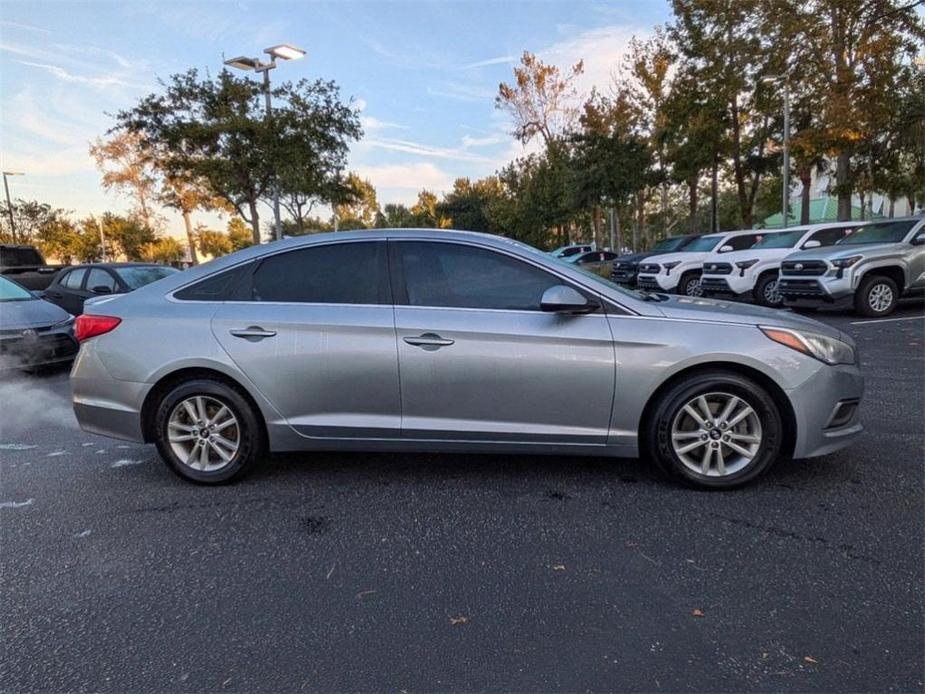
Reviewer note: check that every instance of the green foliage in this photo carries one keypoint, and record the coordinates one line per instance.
(165, 250)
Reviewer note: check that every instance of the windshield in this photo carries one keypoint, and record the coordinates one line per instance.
(704, 244)
(669, 244)
(10, 291)
(884, 232)
(786, 240)
(136, 277)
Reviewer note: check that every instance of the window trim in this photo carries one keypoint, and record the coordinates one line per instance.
(400, 289)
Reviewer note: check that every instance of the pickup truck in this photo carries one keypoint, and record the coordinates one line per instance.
(871, 269)
(26, 266)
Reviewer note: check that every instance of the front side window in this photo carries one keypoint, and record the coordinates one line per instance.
(883, 232)
(740, 243)
(73, 279)
(100, 278)
(459, 276)
(337, 273)
(830, 236)
(788, 239)
(704, 244)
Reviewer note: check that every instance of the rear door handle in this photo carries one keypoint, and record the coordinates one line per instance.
(253, 333)
(54, 295)
(428, 341)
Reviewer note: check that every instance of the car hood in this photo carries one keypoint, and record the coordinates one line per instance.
(835, 252)
(714, 310)
(639, 257)
(683, 256)
(30, 313)
(748, 254)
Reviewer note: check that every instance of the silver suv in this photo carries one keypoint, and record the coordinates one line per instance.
(871, 269)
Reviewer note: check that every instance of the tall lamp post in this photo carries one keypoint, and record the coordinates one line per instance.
(284, 51)
(785, 205)
(9, 204)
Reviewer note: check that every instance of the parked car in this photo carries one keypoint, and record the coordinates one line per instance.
(76, 284)
(680, 272)
(26, 266)
(594, 261)
(33, 332)
(626, 266)
(422, 340)
(870, 269)
(752, 274)
(570, 250)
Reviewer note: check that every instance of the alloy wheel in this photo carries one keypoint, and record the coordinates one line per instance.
(880, 297)
(771, 295)
(693, 288)
(716, 434)
(203, 433)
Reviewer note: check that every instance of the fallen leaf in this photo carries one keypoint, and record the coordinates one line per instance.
(810, 659)
(461, 619)
(364, 593)
(696, 612)
(558, 567)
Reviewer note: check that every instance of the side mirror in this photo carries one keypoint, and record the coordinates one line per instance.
(101, 289)
(726, 248)
(919, 239)
(812, 244)
(563, 299)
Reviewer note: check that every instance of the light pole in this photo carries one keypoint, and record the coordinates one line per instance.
(785, 205)
(284, 51)
(9, 204)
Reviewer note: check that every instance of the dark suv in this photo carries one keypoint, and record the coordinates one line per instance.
(626, 267)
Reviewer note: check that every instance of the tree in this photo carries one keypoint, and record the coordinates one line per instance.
(163, 250)
(212, 242)
(128, 167)
(542, 101)
(355, 205)
(238, 234)
(186, 195)
(30, 217)
(426, 213)
(214, 130)
(395, 216)
(470, 204)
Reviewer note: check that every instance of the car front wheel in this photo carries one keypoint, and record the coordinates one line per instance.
(876, 296)
(715, 430)
(766, 293)
(207, 432)
(690, 285)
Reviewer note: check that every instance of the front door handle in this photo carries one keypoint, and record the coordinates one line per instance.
(428, 341)
(253, 333)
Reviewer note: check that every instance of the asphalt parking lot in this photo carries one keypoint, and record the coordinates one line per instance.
(438, 572)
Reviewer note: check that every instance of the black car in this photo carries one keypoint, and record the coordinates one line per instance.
(33, 332)
(74, 285)
(626, 267)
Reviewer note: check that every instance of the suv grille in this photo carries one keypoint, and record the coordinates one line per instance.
(651, 268)
(812, 268)
(717, 268)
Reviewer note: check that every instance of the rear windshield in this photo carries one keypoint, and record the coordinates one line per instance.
(136, 277)
(704, 244)
(17, 257)
(10, 291)
(669, 244)
(786, 240)
(884, 232)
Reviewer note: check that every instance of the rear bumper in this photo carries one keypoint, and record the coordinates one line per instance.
(102, 404)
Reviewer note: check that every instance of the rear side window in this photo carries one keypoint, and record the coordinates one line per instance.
(828, 237)
(73, 279)
(100, 278)
(458, 276)
(740, 243)
(337, 273)
(216, 287)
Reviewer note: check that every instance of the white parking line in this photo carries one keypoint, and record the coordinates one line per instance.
(886, 320)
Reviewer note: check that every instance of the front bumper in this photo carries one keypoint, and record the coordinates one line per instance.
(827, 412)
(663, 282)
(822, 290)
(727, 285)
(624, 276)
(37, 347)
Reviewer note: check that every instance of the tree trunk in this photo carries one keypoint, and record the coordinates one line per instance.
(892, 212)
(190, 237)
(596, 222)
(714, 196)
(618, 236)
(692, 204)
(806, 179)
(842, 173)
(861, 195)
(254, 220)
(738, 169)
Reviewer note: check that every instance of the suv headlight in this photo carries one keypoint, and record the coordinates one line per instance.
(669, 266)
(842, 263)
(745, 264)
(825, 349)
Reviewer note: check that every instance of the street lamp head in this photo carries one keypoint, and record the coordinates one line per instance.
(285, 51)
(13, 173)
(243, 63)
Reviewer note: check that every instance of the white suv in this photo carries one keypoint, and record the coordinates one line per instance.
(680, 272)
(753, 273)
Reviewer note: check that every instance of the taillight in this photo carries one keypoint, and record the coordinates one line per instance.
(87, 326)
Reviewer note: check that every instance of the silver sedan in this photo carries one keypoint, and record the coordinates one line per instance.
(416, 340)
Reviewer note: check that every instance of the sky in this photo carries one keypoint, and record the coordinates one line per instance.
(423, 74)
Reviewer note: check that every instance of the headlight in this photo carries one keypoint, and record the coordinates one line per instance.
(670, 265)
(842, 263)
(825, 349)
(743, 264)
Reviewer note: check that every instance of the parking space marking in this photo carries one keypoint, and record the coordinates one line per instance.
(886, 320)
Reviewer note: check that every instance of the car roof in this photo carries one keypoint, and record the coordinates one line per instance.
(114, 266)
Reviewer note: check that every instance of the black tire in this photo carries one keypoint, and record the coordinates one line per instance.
(878, 286)
(250, 435)
(763, 288)
(658, 437)
(689, 285)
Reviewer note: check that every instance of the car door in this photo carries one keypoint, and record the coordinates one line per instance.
(916, 259)
(100, 282)
(480, 361)
(314, 332)
(67, 292)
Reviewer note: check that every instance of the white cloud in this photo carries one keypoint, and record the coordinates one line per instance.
(410, 147)
(401, 182)
(371, 125)
(462, 92)
(500, 60)
(100, 81)
(469, 141)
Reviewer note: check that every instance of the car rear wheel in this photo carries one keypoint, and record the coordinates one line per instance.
(207, 432)
(690, 285)
(715, 430)
(766, 293)
(876, 296)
